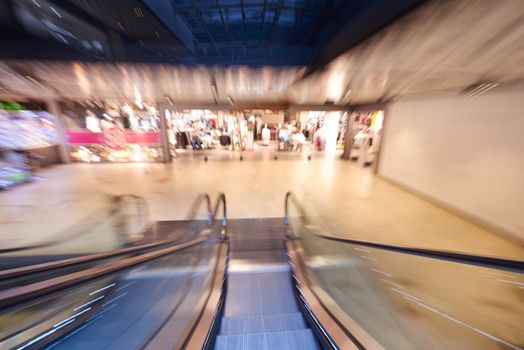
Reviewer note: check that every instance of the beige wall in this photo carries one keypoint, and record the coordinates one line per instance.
(467, 155)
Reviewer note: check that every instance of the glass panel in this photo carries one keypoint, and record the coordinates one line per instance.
(109, 222)
(125, 310)
(406, 301)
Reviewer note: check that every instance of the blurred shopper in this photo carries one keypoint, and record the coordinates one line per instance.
(298, 141)
(196, 143)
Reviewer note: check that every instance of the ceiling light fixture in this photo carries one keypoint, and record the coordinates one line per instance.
(55, 11)
(393, 99)
(346, 95)
(478, 89)
(214, 89)
(230, 100)
(169, 100)
(36, 82)
(138, 12)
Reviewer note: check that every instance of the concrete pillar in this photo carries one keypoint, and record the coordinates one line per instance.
(376, 163)
(53, 107)
(347, 138)
(162, 108)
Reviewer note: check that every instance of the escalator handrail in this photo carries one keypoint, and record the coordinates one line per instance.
(196, 205)
(48, 266)
(16, 295)
(460, 257)
(71, 234)
(13, 296)
(199, 332)
(221, 200)
(51, 265)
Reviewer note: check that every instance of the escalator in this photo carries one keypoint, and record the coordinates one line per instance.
(288, 284)
(128, 219)
(260, 310)
(127, 291)
(272, 283)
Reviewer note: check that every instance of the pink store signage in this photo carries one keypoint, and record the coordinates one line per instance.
(113, 138)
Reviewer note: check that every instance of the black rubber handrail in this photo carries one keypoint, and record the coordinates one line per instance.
(17, 272)
(461, 257)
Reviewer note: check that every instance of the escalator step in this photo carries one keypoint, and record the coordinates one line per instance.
(251, 294)
(262, 324)
(293, 340)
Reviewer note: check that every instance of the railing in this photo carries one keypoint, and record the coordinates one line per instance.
(199, 333)
(221, 200)
(86, 225)
(462, 257)
(12, 297)
(351, 287)
(12, 276)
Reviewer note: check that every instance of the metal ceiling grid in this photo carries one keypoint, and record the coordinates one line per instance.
(275, 32)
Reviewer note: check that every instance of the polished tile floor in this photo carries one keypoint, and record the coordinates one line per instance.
(355, 202)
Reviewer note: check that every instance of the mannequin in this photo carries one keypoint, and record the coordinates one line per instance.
(266, 135)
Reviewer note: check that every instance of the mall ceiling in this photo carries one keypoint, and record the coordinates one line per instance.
(439, 46)
(210, 32)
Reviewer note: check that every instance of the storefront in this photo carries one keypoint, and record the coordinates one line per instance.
(198, 129)
(324, 130)
(123, 131)
(365, 135)
(28, 139)
(113, 132)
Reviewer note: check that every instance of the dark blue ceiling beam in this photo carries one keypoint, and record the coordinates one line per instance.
(268, 6)
(207, 30)
(276, 19)
(254, 43)
(163, 10)
(263, 15)
(224, 23)
(243, 14)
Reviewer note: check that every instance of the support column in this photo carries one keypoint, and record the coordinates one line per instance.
(376, 163)
(162, 108)
(347, 138)
(53, 107)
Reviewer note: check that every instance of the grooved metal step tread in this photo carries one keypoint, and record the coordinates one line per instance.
(262, 324)
(293, 340)
(250, 294)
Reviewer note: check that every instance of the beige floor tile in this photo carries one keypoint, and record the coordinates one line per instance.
(351, 198)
